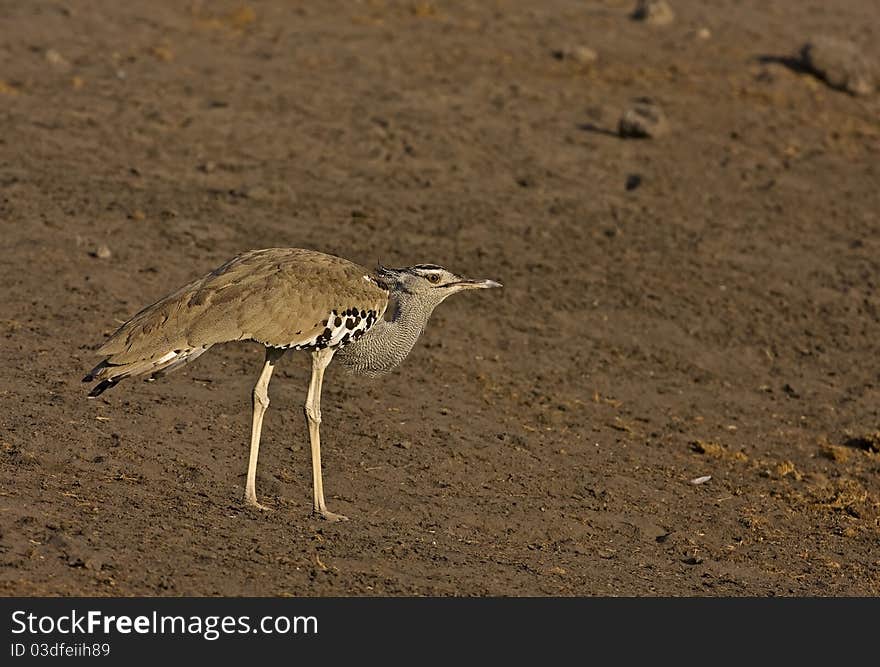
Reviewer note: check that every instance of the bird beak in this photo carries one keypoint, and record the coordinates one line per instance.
(468, 283)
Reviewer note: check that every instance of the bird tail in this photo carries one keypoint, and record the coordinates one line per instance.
(101, 387)
(110, 373)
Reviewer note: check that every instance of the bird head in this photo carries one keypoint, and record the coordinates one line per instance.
(429, 282)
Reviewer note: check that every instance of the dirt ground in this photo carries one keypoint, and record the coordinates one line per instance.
(720, 319)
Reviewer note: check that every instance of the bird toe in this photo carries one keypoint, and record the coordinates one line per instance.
(254, 505)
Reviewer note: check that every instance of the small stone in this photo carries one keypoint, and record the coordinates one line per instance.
(645, 120)
(581, 55)
(704, 33)
(101, 252)
(94, 563)
(835, 453)
(653, 12)
(163, 53)
(241, 17)
(56, 59)
(841, 64)
(8, 88)
(258, 193)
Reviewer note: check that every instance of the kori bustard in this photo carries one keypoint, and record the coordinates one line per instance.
(286, 299)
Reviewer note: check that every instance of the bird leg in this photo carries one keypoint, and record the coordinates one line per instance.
(261, 403)
(320, 359)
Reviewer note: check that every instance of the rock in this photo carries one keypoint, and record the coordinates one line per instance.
(102, 252)
(8, 89)
(645, 120)
(841, 64)
(582, 55)
(163, 53)
(56, 59)
(653, 12)
(257, 193)
(704, 33)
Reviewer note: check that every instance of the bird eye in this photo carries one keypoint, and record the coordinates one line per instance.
(434, 278)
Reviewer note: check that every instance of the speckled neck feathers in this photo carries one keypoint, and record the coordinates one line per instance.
(388, 342)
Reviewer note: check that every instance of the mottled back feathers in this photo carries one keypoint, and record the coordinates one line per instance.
(280, 297)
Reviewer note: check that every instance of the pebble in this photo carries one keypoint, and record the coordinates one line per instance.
(257, 193)
(654, 12)
(102, 252)
(582, 55)
(56, 59)
(841, 64)
(644, 120)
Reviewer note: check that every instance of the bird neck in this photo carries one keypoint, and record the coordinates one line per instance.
(389, 341)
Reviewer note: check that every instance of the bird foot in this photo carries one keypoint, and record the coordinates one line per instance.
(327, 515)
(253, 504)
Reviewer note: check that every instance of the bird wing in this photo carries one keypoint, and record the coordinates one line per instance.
(281, 297)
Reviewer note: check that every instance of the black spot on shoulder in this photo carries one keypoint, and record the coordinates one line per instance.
(337, 322)
(327, 333)
(349, 323)
(363, 313)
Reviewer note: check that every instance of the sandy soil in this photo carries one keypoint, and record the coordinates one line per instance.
(722, 318)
